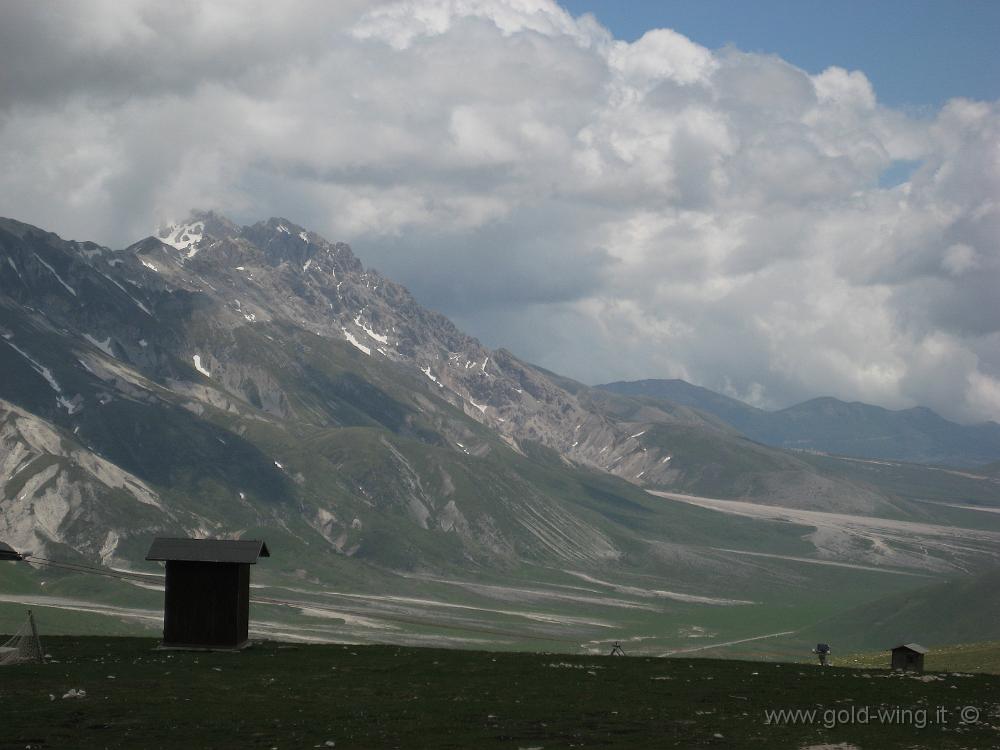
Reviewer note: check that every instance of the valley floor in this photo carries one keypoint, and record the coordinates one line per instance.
(743, 580)
(885, 544)
(298, 696)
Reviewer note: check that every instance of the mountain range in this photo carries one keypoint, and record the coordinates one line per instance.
(828, 425)
(412, 484)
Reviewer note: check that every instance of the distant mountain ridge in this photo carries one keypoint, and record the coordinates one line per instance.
(829, 425)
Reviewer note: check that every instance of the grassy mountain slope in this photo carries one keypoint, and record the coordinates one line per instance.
(962, 610)
(939, 484)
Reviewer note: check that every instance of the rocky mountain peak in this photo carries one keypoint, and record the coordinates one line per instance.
(282, 240)
(215, 224)
(190, 235)
(276, 270)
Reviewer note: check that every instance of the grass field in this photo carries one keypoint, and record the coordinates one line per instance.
(283, 696)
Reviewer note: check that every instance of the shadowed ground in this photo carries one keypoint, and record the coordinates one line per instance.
(281, 696)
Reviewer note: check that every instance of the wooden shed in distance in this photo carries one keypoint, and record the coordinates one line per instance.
(908, 657)
(207, 599)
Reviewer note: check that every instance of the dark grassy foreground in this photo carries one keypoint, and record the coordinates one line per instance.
(281, 696)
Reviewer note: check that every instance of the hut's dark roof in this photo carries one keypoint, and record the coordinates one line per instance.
(7, 552)
(208, 550)
(911, 647)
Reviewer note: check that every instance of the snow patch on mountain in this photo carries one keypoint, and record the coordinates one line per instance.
(89, 252)
(427, 371)
(183, 236)
(104, 346)
(73, 405)
(357, 344)
(201, 368)
(59, 278)
(14, 266)
(377, 336)
(45, 372)
(126, 293)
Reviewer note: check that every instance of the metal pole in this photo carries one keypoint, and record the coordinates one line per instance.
(34, 635)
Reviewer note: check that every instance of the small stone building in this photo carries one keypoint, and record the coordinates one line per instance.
(908, 657)
(207, 597)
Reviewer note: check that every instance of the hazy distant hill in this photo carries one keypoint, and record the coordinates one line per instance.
(833, 426)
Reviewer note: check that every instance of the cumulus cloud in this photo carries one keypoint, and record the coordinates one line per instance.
(607, 209)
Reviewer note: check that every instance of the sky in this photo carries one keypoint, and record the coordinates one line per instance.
(917, 54)
(775, 200)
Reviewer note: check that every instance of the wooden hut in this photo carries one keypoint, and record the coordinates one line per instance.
(207, 598)
(908, 657)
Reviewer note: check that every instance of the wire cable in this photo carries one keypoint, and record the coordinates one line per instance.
(90, 569)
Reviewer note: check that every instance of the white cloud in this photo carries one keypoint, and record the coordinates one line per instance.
(850, 90)
(660, 55)
(959, 259)
(609, 209)
(401, 23)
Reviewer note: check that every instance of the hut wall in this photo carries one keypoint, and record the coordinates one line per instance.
(203, 604)
(243, 604)
(907, 660)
